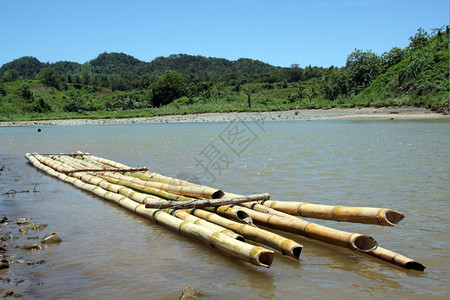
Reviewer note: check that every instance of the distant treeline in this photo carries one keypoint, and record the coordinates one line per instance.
(415, 75)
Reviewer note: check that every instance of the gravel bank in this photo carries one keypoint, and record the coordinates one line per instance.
(397, 113)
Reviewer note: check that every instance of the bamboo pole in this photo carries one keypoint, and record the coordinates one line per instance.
(378, 252)
(365, 215)
(145, 178)
(278, 242)
(229, 211)
(254, 254)
(166, 191)
(199, 203)
(108, 170)
(138, 197)
(284, 245)
(184, 215)
(396, 259)
(354, 241)
(148, 176)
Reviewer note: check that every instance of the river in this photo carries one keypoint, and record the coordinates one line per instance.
(108, 252)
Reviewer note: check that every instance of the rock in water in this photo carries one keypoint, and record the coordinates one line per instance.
(4, 264)
(51, 239)
(191, 293)
(31, 247)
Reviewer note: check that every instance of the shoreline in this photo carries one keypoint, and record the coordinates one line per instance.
(366, 113)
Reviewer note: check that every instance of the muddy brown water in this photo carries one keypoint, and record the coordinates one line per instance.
(107, 252)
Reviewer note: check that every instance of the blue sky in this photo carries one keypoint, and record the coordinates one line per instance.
(278, 32)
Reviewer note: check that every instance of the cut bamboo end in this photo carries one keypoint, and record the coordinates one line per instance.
(244, 217)
(262, 257)
(414, 265)
(390, 217)
(364, 243)
(294, 249)
(217, 194)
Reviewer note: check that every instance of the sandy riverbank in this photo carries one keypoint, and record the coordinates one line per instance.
(396, 113)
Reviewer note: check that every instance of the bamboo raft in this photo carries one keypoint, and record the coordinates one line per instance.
(225, 221)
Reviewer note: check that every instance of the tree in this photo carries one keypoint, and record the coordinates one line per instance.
(294, 73)
(50, 77)
(393, 57)
(419, 39)
(86, 78)
(167, 88)
(363, 67)
(10, 75)
(334, 83)
(26, 93)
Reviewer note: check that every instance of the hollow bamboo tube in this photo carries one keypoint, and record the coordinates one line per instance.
(396, 259)
(139, 197)
(286, 246)
(146, 175)
(379, 252)
(128, 181)
(365, 215)
(171, 185)
(354, 241)
(278, 242)
(184, 215)
(231, 212)
(253, 254)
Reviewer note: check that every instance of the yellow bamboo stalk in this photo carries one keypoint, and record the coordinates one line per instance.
(229, 211)
(354, 241)
(378, 252)
(136, 196)
(396, 259)
(254, 254)
(284, 245)
(196, 190)
(365, 215)
(278, 242)
(184, 215)
(189, 191)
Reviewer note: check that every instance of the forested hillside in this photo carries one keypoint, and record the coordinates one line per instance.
(119, 85)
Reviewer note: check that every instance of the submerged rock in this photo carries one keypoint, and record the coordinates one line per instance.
(4, 264)
(191, 293)
(36, 227)
(31, 247)
(3, 220)
(22, 221)
(51, 238)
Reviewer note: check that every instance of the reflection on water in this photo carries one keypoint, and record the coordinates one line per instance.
(110, 253)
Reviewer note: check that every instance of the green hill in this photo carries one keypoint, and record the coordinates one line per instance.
(420, 79)
(120, 85)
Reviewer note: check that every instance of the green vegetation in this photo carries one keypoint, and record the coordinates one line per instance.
(116, 85)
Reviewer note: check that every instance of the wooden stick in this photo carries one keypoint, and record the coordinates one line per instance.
(107, 170)
(199, 203)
